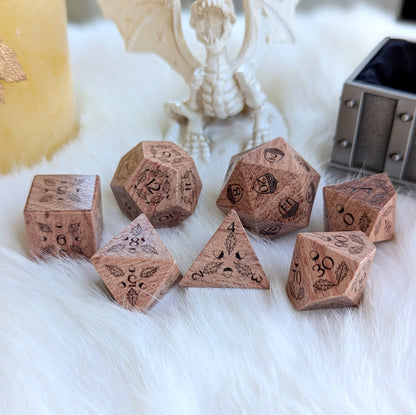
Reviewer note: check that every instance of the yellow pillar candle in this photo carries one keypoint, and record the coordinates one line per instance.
(39, 114)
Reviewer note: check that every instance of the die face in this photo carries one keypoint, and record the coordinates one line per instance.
(374, 191)
(354, 244)
(138, 239)
(340, 301)
(234, 194)
(317, 275)
(356, 288)
(227, 261)
(161, 180)
(152, 187)
(345, 214)
(383, 229)
(309, 190)
(127, 165)
(63, 215)
(272, 185)
(136, 266)
(360, 205)
(329, 269)
(138, 284)
(62, 193)
(187, 194)
(58, 233)
(165, 152)
(125, 202)
(189, 187)
(266, 229)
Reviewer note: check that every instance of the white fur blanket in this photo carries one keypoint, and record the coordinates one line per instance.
(66, 348)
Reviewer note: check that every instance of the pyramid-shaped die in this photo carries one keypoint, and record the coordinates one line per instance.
(329, 269)
(159, 179)
(367, 204)
(136, 266)
(271, 187)
(227, 261)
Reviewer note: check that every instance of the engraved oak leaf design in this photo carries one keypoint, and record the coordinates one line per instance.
(132, 296)
(49, 182)
(342, 271)
(323, 285)
(46, 198)
(212, 267)
(115, 270)
(136, 231)
(74, 228)
(299, 295)
(230, 242)
(388, 211)
(356, 249)
(149, 249)
(243, 269)
(148, 272)
(116, 248)
(292, 289)
(44, 227)
(74, 198)
(364, 222)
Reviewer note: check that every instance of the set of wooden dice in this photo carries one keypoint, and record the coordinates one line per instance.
(268, 190)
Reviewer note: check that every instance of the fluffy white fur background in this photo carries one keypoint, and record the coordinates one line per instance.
(66, 348)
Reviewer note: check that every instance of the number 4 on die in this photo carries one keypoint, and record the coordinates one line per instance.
(227, 261)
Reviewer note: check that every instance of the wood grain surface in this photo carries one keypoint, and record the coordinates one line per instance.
(271, 187)
(136, 266)
(63, 215)
(227, 261)
(367, 204)
(329, 269)
(159, 179)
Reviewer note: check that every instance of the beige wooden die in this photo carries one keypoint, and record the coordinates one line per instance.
(329, 269)
(63, 215)
(367, 204)
(271, 187)
(136, 266)
(227, 261)
(159, 179)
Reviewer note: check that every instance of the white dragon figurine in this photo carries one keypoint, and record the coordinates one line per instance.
(219, 89)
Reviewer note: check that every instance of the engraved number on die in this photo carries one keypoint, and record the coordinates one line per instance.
(326, 264)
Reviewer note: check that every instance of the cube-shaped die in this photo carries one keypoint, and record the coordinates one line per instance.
(136, 266)
(159, 179)
(271, 187)
(63, 215)
(367, 204)
(329, 269)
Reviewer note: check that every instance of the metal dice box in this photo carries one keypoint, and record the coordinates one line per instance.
(376, 120)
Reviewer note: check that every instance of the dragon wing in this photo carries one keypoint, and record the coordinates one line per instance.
(267, 22)
(153, 26)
